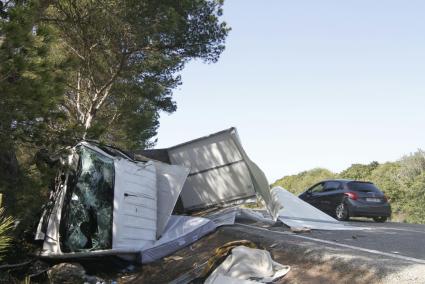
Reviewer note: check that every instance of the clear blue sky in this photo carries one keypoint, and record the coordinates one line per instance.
(311, 84)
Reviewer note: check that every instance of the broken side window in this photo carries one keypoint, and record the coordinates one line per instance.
(87, 213)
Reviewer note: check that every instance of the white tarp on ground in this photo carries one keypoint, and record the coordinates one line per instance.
(297, 213)
(248, 266)
(180, 232)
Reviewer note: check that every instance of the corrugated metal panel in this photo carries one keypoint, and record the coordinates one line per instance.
(217, 186)
(218, 172)
(135, 204)
(204, 154)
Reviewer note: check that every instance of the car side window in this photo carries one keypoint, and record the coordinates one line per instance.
(317, 188)
(332, 185)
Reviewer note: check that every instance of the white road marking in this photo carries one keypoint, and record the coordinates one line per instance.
(412, 259)
(360, 224)
(399, 229)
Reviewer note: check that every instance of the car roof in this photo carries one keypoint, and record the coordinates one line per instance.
(345, 180)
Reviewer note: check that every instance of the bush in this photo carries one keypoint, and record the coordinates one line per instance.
(6, 224)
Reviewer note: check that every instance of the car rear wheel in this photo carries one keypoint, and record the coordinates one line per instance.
(380, 219)
(341, 212)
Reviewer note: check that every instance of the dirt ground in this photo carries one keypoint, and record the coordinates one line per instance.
(305, 268)
(310, 262)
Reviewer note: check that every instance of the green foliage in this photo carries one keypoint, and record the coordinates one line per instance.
(126, 57)
(359, 171)
(102, 70)
(32, 83)
(31, 78)
(403, 182)
(300, 182)
(6, 224)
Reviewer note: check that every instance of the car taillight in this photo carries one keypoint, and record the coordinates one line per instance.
(352, 195)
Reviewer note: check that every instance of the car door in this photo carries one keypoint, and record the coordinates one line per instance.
(329, 198)
(313, 195)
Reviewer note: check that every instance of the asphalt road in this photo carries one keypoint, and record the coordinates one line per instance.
(394, 238)
(390, 237)
(390, 252)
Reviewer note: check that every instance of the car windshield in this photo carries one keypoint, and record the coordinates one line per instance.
(87, 214)
(362, 186)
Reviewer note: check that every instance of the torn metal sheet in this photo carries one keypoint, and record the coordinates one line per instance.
(259, 179)
(220, 172)
(224, 216)
(180, 232)
(299, 214)
(170, 181)
(253, 215)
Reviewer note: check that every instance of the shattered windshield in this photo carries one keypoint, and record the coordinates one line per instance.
(87, 214)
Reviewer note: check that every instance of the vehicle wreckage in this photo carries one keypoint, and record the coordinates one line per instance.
(108, 202)
(144, 206)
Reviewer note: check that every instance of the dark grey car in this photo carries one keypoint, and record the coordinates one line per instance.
(348, 198)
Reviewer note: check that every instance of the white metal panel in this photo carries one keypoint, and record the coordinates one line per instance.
(297, 213)
(135, 204)
(206, 153)
(220, 170)
(217, 186)
(181, 231)
(51, 240)
(170, 181)
(259, 179)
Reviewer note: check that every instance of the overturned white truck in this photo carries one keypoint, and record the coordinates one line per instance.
(108, 202)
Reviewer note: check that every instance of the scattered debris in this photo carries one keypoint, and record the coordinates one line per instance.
(253, 215)
(67, 273)
(173, 258)
(300, 230)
